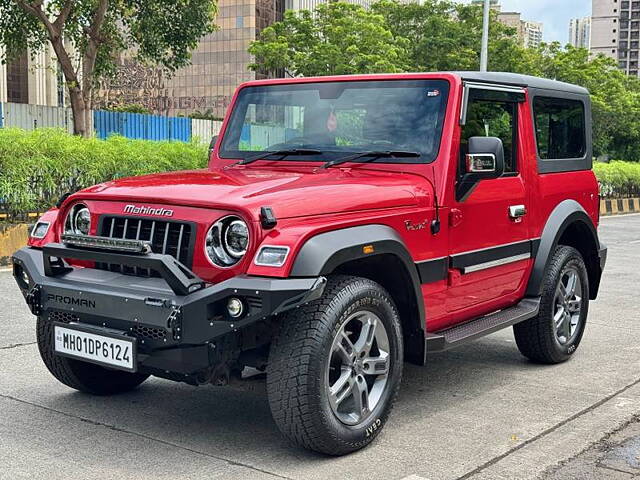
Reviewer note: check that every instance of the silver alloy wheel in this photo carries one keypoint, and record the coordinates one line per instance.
(567, 305)
(358, 368)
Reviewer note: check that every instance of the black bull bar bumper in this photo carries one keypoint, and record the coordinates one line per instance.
(173, 326)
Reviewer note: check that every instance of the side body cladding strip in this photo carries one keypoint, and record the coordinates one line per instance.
(566, 214)
(325, 252)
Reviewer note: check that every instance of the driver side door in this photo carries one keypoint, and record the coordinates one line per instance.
(489, 237)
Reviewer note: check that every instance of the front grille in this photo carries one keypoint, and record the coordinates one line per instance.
(62, 317)
(142, 331)
(166, 237)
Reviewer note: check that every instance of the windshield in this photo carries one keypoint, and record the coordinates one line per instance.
(339, 118)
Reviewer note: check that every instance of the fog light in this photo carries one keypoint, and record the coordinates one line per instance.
(235, 307)
(25, 278)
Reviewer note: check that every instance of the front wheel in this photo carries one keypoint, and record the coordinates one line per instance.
(554, 335)
(335, 367)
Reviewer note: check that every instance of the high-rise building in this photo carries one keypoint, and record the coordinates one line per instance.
(529, 33)
(580, 32)
(615, 32)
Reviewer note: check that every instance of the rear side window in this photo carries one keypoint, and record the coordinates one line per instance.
(560, 128)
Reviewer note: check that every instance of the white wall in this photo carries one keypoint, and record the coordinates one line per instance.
(203, 130)
(31, 117)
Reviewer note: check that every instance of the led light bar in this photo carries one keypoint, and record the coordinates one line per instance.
(106, 243)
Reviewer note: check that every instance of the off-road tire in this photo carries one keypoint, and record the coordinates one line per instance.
(536, 338)
(298, 362)
(82, 376)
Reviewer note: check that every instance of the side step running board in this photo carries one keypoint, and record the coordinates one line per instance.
(461, 334)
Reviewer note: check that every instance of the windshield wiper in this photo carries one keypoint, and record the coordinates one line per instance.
(281, 153)
(374, 154)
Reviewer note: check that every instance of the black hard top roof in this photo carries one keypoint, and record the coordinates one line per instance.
(521, 80)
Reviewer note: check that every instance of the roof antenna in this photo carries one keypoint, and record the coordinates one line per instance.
(435, 224)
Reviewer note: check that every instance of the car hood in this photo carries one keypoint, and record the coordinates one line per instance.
(291, 193)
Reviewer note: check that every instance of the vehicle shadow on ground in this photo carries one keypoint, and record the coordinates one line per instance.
(235, 423)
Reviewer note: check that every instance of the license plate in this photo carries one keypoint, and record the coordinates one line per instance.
(104, 348)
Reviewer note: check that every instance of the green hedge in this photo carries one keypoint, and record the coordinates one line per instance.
(618, 179)
(37, 167)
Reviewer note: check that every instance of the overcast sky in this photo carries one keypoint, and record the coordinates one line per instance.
(555, 14)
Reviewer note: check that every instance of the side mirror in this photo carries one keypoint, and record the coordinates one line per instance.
(212, 145)
(486, 157)
(485, 160)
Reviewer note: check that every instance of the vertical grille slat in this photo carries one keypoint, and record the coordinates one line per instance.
(138, 270)
(153, 229)
(166, 237)
(179, 241)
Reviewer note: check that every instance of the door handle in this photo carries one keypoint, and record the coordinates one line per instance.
(517, 211)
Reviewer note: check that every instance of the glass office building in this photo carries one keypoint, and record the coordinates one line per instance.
(218, 65)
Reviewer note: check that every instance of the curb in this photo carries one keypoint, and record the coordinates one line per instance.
(619, 206)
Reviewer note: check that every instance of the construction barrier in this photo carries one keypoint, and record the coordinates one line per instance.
(129, 125)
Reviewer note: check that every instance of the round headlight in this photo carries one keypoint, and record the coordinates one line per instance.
(78, 220)
(227, 241)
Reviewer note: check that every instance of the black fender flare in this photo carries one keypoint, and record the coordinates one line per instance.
(563, 215)
(323, 253)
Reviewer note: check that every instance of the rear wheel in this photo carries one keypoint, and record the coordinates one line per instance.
(554, 335)
(82, 376)
(335, 367)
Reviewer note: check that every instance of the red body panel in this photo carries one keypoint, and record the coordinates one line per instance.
(308, 201)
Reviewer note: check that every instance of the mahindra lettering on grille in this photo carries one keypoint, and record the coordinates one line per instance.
(142, 210)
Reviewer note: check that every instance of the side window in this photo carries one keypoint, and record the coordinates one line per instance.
(560, 128)
(493, 118)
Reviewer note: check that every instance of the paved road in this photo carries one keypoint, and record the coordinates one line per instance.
(482, 412)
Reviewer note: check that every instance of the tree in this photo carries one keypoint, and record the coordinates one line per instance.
(445, 35)
(87, 37)
(129, 108)
(339, 38)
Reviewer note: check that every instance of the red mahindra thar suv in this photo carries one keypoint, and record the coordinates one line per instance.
(345, 225)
